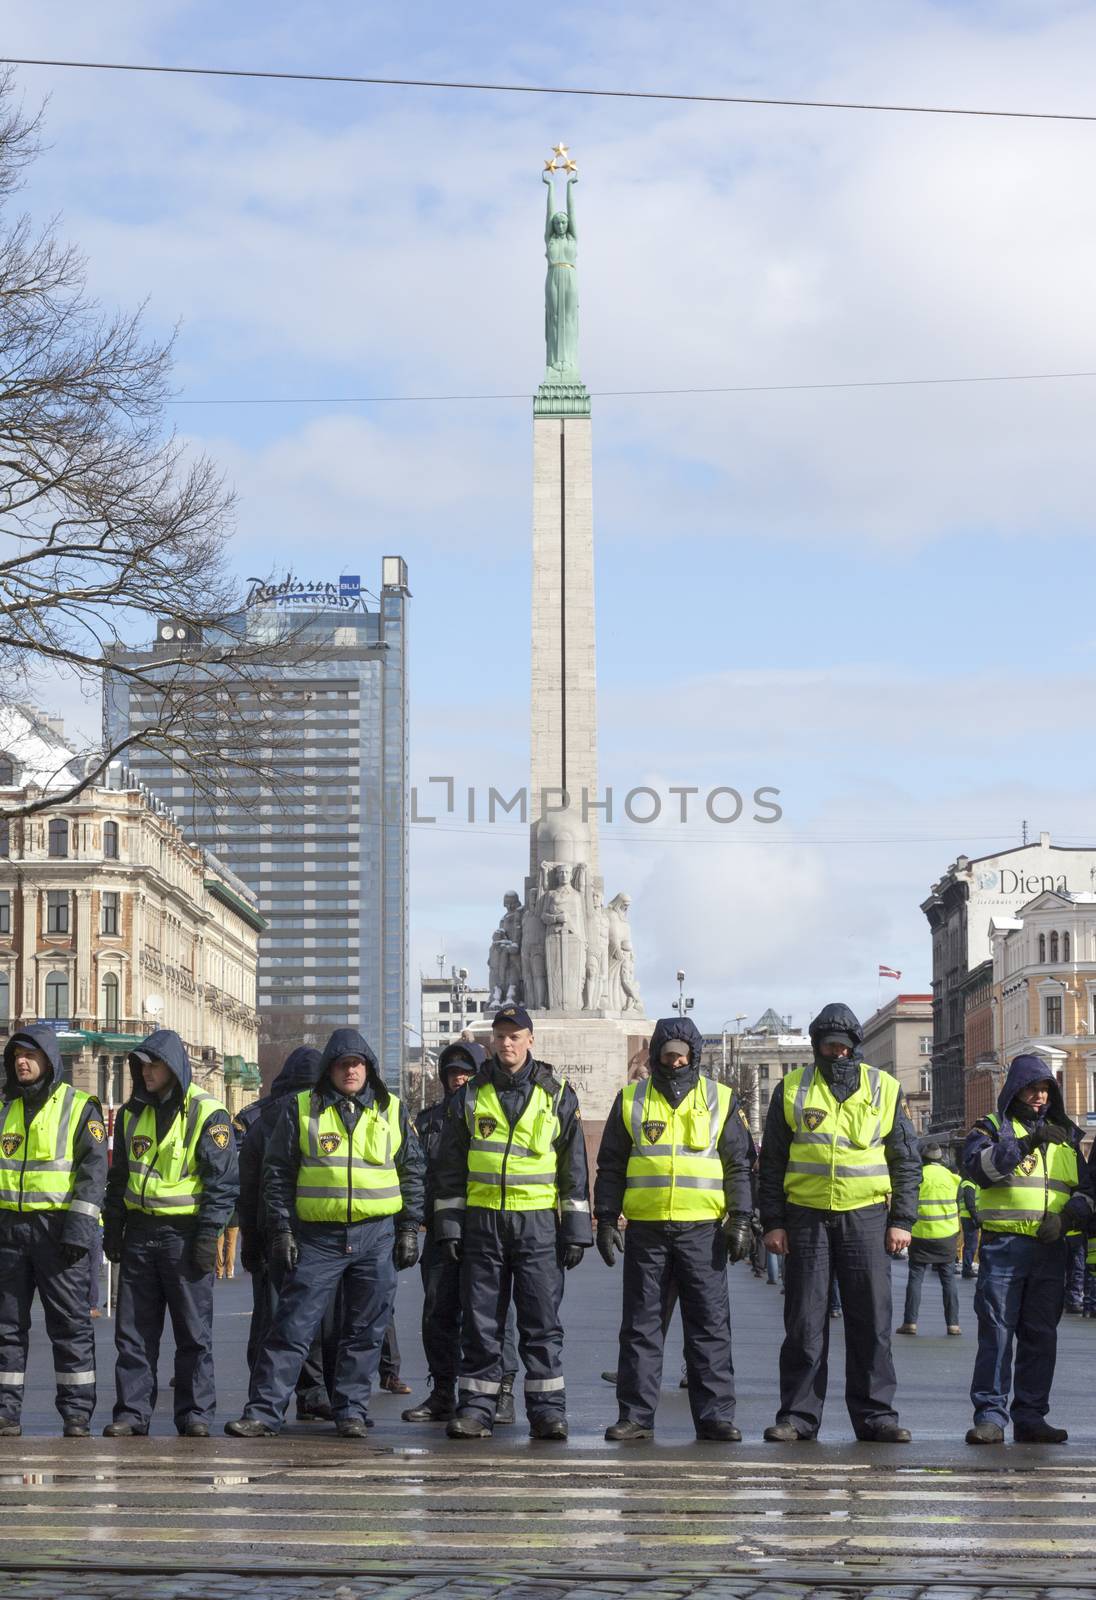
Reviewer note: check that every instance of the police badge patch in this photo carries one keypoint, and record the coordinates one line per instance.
(653, 1131)
(10, 1143)
(96, 1129)
(814, 1118)
(1028, 1165)
(486, 1126)
(220, 1135)
(330, 1142)
(141, 1146)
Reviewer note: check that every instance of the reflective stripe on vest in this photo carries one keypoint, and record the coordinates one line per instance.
(837, 1161)
(1042, 1183)
(37, 1166)
(163, 1174)
(674, 1172)
(512, 1169)
(347, 1177)
(937, 1203)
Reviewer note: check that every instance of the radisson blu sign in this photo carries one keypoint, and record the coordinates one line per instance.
(295, 594)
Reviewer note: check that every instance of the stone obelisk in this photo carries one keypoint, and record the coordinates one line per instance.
(564, 953)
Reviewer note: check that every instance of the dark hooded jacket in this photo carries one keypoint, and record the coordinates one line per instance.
(736, 1146)
(991, 1155)
(217, 1162)
(282, 1159)
(843, 1077)
(514, 1091)
(78, 1225)
(300, 1069)
(431, 1119)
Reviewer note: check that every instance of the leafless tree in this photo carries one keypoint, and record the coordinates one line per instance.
(105, 518)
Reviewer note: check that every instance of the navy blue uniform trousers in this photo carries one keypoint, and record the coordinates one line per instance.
(511, 1255)
(157, 1277)
(359, 1260)
(689, 1260)
(851, 1247)
(313, 1385)
(29, 1261)
(1019, 1299)
(441, 1320)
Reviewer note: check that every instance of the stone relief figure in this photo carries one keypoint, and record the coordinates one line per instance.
(561, 911)
(534, 971)
(494, 970)
(510, 928)
(596, 993)
(561, 285)
(623, 989)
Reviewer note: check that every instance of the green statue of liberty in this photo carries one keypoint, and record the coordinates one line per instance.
(561, 287)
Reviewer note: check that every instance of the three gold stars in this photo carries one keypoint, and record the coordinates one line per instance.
(560, 160)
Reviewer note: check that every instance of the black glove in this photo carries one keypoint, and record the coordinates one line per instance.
(251, 1255)
(1054, 1133)
(609, 1241)
(449, 1250)
(71, 1253)
(113, 1229)
(406, 1251)
(738, 1234)
(203, 1251)
(282, 1253)
(1049, 1230)
(570, 1255)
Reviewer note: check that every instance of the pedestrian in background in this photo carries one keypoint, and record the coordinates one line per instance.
(935, 1239)
(840, 1173)
(1024, 1159)
(971, 1223)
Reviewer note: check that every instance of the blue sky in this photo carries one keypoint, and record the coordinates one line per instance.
(873, 600)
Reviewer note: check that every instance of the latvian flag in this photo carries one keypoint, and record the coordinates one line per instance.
(889, 972)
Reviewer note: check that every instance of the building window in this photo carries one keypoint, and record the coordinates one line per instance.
(1054, 947)
(58, 837)
(1052, 1008)
(1091, 1092)
(762, 1074)
(5, 999)
(110, 840)
(57, 911)
(1065, 947)
(1042, 948)
(5, 911)
(443, 1005)
(5, 839)
(110, 1002)
(7, 772)
(924, 1044)
(109, 913)
(57, 995)
(924, 1080)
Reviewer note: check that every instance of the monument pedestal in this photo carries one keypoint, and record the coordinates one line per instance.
(593, 1053)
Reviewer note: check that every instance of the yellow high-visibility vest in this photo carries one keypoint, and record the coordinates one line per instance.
(937, 1203)
(163, 1174)
(346, 1177)
(837, 1161)
(1042, 1183)
(512, 1169)
(674, 1171)
(37, 1165)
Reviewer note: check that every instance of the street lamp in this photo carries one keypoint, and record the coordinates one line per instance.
(681, 1005)
(459, 990)
(741, 1017)
(425, 1055)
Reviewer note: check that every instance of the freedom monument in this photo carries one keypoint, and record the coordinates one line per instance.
(561, 950)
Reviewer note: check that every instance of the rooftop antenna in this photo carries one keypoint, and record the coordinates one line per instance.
(1023, 831)
(441, 964)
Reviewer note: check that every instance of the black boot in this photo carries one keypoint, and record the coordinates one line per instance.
(439, 1405)
(1039, 1432)
(504, 1410)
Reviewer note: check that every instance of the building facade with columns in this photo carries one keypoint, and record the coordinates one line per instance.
(113, 924)
(1044, 989)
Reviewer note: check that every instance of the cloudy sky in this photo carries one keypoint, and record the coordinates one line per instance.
(874, 600)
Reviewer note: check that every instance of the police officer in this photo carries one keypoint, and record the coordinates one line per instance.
(675, 1158)
(174, 1182)
(971, 1224)
(299, 1071)
(837, 1144)
(343, 1187)
(457, 1063)
(935, 1238)
(512, 1204)
(1032, 1190)
(53, 1170)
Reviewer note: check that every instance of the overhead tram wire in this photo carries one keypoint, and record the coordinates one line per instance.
(622, 394)
(544, 89)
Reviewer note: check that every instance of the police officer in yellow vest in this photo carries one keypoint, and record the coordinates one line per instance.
(675, 1159)
(839, 1178)
(53, 1170)
(1033, 1189)
(512, 1204)
(173, 1185)
(342, 1186)
(935, 1239)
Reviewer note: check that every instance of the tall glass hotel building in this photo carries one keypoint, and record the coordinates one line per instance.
(327, 855)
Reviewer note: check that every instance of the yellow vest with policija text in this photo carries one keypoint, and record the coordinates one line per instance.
(37, 1166)
(937, 1203)
(512, 1169)
(347, 1177)
(164, 1180)
(837, 1161)
(1042, 1183)
(674, 1172)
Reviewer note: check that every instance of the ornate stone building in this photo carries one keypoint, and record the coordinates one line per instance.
(113, 924)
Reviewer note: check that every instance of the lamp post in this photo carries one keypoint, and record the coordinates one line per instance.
(424, 1056)
(681, 1005)
(741, 1017)
(459, 990)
